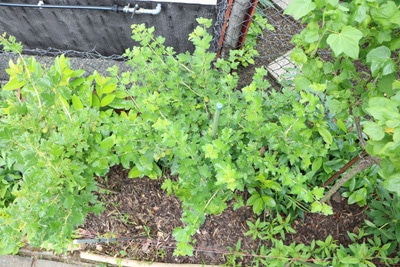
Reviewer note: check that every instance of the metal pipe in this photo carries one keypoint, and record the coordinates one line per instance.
(137, 10)
(114, 8)
(41, 5)
(154, 11)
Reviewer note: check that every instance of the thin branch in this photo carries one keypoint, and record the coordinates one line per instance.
(358, 167)
(359, 132)
(107, 189)
(343, 169)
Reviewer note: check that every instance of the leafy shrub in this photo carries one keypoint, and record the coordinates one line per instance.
(54, 139)
(61, 130)
(384, 214)
(268, 143)
(260, 145)
(347, 53)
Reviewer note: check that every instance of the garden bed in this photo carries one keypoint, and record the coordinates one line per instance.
(140, 208)
(269, 190)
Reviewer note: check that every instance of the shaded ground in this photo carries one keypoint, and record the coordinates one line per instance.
(272, 44)
(140, 208)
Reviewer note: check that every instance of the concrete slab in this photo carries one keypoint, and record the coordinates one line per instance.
(281, 3)
(14, 261)
(47, 263)
(282, 68)
(19, 261)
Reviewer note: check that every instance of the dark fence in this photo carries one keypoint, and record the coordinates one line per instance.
(106, 34)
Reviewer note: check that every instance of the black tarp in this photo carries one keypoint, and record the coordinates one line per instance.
(105, 31)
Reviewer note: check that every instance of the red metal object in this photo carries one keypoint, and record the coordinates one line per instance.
(223, 30)
(246, 23)
(342, 170)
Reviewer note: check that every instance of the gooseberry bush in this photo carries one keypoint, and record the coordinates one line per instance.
(59, 128)
(260, 146)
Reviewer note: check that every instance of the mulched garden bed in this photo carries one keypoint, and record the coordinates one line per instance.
(140, 208)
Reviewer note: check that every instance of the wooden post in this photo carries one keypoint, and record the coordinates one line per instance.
(234, 29)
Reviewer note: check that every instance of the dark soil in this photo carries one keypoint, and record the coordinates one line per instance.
(140, 208)
(271, 45)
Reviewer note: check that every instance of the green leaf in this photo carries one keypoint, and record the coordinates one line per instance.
(360, 14)
(392, 183)
(76, 82)
(94, 100)
(396, 84)
(76, 102)
(298, 56)
(346, 42)
(268, 201)
(183, 249)
(134, 173)
(336, 107)
(358, 196)
(350, 260)
(316, 206)
(108, 142)
(167, 185)
(374, 131)
(301, 82)
(226, 175)
(210, 152)
(341, 125)
(386, 14)
(382, 108)
(305, 263)
(105, 101)
(326, 135)
(326, 209)
(318, 87)
(109, 88)
(181, 234)
(380, 61)
(395, 44)
(370, 224)
(13, 84)
(258, 206)
(316, 165)
(318, 192)
(396, 135)
(257, 202)
(69, 202)
(299, 8)
(271, 184)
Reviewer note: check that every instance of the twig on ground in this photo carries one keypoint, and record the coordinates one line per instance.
(358, 167)
(345, 168)
(107, 189)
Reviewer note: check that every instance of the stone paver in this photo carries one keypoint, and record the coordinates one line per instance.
(18, 261)
(281, 3)
(281, 67)
(15, 261)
